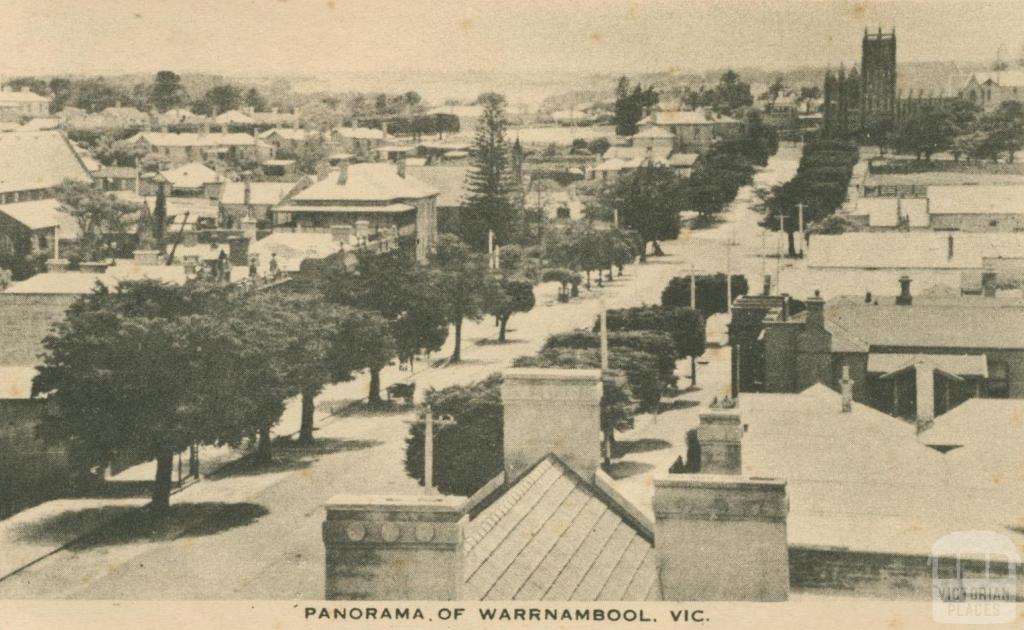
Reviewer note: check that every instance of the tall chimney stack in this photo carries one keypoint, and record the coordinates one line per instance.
(734, 525)
(551, 411)
(394, 548)
(846, 390)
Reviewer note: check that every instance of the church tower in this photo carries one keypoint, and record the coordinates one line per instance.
(878, 78)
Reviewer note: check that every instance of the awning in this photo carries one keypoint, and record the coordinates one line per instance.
(957, 364)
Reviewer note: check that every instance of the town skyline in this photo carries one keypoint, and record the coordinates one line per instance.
(239, 37)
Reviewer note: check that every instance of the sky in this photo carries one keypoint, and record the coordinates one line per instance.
(249, 37)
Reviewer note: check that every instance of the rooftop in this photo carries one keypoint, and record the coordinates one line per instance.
(163, 139)
(978, 421)
(1004, 78)
(911, 250)
(449, 180)
(38, 159)
(260, 193)
(552, 536)
(288, 133)
(367, 183)
(696, 117)
(191, 175)
(990, 199)
(42, 214)
(857, 326)
(292, 248)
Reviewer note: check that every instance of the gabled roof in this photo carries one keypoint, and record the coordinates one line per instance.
(979, 421)
(287, 133)
(1005, 78)
(697, 117)
(234, 116)
(42, 214)
(367, 182)
(191, 175)
(551, 536)
(22, 96)
(31, 160)
(162, 139)
(362, 133)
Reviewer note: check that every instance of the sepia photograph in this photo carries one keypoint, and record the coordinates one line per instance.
(480, 314)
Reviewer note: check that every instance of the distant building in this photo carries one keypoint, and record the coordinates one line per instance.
(24, 102)
(239, 200)
(181, 148)
(286, 137)
(34, 163)
(372, 200)
(903, 354)
(694, 131)
(193, 180)
(360, 141)
(989, 90)
(859, 103)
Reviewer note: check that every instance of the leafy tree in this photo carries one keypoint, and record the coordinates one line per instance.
(566, 278)
(514, 295)
(394, 286)
(1005, 128)
(711, 294)
(630, 105)
(167, 92)
(464, 285)
(141, 373)
(731, 94)
(255, 100)
(488, 205)
(468, 451)
(98, 215)
(658, 345)
(159, 217)
(648, 200)
(219, 99)
(925, 132)
(684, 325)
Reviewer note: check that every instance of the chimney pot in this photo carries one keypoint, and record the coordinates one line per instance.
(551, 411)
(816, 311)
(904, 298)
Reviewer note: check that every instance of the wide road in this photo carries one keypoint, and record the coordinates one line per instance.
(255, 533)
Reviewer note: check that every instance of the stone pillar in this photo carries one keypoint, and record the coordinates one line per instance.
(551, 411)
(719, 434)
(721, 538)
(394, 548)
(924, 380)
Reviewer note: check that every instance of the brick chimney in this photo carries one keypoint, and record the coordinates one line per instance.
(551, 411)
(815, 310)
(342, 173)
(394, 548)
(988, 283)
(401, 166)
(719, 434)
(846, 390)
(904, 298)
(721, 538)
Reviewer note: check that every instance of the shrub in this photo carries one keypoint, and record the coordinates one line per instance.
(685, 326)
(657, 344)
(711, 293)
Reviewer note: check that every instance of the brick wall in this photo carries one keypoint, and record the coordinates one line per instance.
(841, 571)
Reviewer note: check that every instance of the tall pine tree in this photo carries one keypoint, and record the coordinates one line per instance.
(489, 205)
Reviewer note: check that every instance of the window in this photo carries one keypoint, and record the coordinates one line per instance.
(998, 383)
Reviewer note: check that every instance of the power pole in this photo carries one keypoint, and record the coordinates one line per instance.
(800, 210)
(693, 286)
(778, 258)
(728, 278)
(604, 337)
(428, 453)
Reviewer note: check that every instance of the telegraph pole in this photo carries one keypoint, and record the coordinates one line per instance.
(428, 453)
(604, 337)
(693, 286)
(778, 258)
(800, 210)
(728, 278)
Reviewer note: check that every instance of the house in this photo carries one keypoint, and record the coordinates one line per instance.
(450, 182)
(31, 230)
(175, 116)
(286, 137)
(989, 90)
(924, 250)
(360, 141)
(193, 180)
(34, 163)
(552, 525)
(182, 148)
(114, 178)
(119, 116)
(376, 199)
(234, 117)
(694, 131)
(964, 207)
(239, 200)
(275, 118)
(906, 355)
(24, 102)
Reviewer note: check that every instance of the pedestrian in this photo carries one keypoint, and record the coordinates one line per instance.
(273, 266)
(252, 269)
